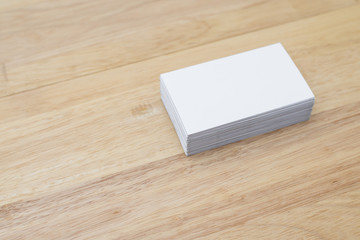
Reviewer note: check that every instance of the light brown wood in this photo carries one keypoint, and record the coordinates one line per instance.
(87, 150)
(43, 43)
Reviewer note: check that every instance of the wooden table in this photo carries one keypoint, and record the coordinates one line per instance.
(87, 150)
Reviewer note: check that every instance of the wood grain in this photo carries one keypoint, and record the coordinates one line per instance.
(44, 43)
(87, 150)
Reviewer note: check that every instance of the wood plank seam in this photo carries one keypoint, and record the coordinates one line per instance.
(9, 210)
(98, 158)
(137, 171)
(173, 52)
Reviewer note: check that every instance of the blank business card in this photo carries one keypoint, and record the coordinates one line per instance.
(216, 102)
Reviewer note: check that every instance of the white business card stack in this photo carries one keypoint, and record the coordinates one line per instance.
(236, 97)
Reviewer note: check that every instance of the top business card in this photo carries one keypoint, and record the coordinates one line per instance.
(237, 87)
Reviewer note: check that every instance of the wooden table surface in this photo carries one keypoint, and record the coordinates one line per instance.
(87, 150)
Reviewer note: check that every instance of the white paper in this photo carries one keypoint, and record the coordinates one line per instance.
(233, 98)
(225, 90)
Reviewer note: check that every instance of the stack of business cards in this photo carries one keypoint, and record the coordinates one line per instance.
(236, 97)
